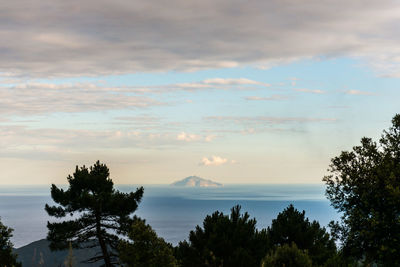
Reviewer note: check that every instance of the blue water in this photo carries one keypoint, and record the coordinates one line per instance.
(171, 211)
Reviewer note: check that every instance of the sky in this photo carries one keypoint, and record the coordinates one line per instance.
(234, 91)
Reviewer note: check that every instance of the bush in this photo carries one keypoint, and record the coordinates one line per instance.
(287, 256)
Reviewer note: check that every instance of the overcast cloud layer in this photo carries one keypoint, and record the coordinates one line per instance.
(62, 38)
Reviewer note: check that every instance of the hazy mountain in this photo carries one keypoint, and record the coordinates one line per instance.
(38, 253)
(194, 181)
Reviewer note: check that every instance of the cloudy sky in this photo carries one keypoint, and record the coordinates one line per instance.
(235, 91)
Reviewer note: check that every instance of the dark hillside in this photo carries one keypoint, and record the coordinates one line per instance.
(38, 253)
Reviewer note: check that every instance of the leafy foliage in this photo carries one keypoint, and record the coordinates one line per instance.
(7, 258)
(224, 241)
(287, 256)
(102, 214)
(146, 249)
(291, 226)
(364, 185)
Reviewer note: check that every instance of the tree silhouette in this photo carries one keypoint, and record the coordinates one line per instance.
(7, 258)
(291, 226)
(224, 241)
(145, 249)
(364, 185)
(100, 214)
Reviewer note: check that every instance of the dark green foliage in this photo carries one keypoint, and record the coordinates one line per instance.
(287, 256)
(145, 248)
(339, 260)
(291, 226)
(224, 241)
(102, 214)
(364, 185)
(7, 258)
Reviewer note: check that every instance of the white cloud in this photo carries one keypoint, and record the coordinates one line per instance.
(269, 98)
(357, 92)
(312, 91)
(210, 137)
(188, 137)
(218, 83)
(231, 81)
(213, 161)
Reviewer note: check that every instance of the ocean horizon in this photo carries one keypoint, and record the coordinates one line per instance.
(172, 211)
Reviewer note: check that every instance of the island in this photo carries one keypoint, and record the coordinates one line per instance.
(195, 181)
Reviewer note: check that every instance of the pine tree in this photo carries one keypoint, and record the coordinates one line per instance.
(224, 241)
(145, 249)
(292, 226)
(7, 258)
(100, 214)
(70, 260)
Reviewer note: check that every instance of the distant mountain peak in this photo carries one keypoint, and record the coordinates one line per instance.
(195, 181)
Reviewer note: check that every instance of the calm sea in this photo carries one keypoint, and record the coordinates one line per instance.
(171, 211)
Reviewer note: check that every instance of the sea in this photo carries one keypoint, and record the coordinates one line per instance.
(172, 211)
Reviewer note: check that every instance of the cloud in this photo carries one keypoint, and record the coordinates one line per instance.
(213, 161)
(188, 137)
(41, 98)
(269, 98)
(144, 123)
(231, 81)
(183, 136)
(312, 91)
(249, 125)
(28, 97)
(265, 119)
(98, 37)
(357, 92)
(218, 83)
(64, 143)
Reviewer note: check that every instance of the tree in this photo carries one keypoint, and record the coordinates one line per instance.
(101, 214)
(224, 241)
(145, 248)
(364, 186)
(291, 226)
(70, 260)
(7, 258)
(287, 256)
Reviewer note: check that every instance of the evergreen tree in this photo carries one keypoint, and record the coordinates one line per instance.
(364, 185)
(7, 258)
(145, 249)
(70, 260)
(100, 214)
(291, 226)
(224, 241)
